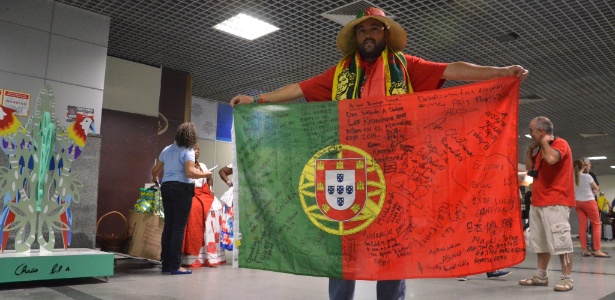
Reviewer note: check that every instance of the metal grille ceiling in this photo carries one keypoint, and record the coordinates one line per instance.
(568, 46)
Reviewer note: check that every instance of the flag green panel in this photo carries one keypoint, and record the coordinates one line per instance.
(275, 142)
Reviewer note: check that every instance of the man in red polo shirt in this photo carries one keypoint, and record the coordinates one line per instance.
(552, 199)
(373, 65)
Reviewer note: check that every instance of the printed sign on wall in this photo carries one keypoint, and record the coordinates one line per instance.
(18, 101)
(203, 115)
(72, 111)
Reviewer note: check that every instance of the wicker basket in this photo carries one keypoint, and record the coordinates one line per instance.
(112, 242)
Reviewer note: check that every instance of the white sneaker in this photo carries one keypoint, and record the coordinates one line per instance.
(564, 285)
(535, 281)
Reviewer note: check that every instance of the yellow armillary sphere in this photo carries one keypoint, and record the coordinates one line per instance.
(362, 184)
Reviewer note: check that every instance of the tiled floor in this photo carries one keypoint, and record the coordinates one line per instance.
(594, 278)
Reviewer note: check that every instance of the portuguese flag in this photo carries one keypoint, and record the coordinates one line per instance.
(411, 186)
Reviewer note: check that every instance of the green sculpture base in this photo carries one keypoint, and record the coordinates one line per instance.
(58, 264)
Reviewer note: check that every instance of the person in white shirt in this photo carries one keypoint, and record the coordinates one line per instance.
(587, 207)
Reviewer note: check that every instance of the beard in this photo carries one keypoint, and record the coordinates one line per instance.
(373, 52)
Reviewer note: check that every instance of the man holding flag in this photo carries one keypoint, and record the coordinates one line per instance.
(373, 65)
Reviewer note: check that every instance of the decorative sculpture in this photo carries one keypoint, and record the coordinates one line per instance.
(37, 188)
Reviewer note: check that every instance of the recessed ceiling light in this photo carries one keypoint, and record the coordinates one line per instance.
(530, 99)
(246, 27)
(348, 12)
(593, 134)
(596, 157)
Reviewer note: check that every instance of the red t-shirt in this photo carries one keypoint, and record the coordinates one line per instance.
(554, 184)
(424, 76)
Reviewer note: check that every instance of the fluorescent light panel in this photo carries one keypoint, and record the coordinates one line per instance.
(596, 157)
(528, 136)
(246, 27)
(612, 167)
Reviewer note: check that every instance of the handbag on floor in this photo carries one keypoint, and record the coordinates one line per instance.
(604, 217)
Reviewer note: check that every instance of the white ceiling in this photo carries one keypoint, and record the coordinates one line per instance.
(568, 46)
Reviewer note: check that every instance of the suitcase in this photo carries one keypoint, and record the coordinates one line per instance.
(608, 232)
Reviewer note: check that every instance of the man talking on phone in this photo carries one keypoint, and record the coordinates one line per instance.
(549, 161)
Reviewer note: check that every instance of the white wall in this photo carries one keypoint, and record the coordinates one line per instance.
(132, 87)
(45, 42)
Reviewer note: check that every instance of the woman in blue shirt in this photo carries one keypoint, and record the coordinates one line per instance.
(177, 160)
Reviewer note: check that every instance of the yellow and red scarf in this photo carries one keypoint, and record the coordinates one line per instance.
(390, 77)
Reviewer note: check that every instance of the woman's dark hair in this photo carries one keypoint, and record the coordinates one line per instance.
(186, 135)
(578, 169)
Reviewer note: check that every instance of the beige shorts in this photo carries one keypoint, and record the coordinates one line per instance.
(550, 229)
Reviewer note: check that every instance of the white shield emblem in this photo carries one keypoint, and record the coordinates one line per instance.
(341, 187)
(342, 183)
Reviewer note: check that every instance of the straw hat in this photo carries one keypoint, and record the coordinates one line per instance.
(346, 40)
